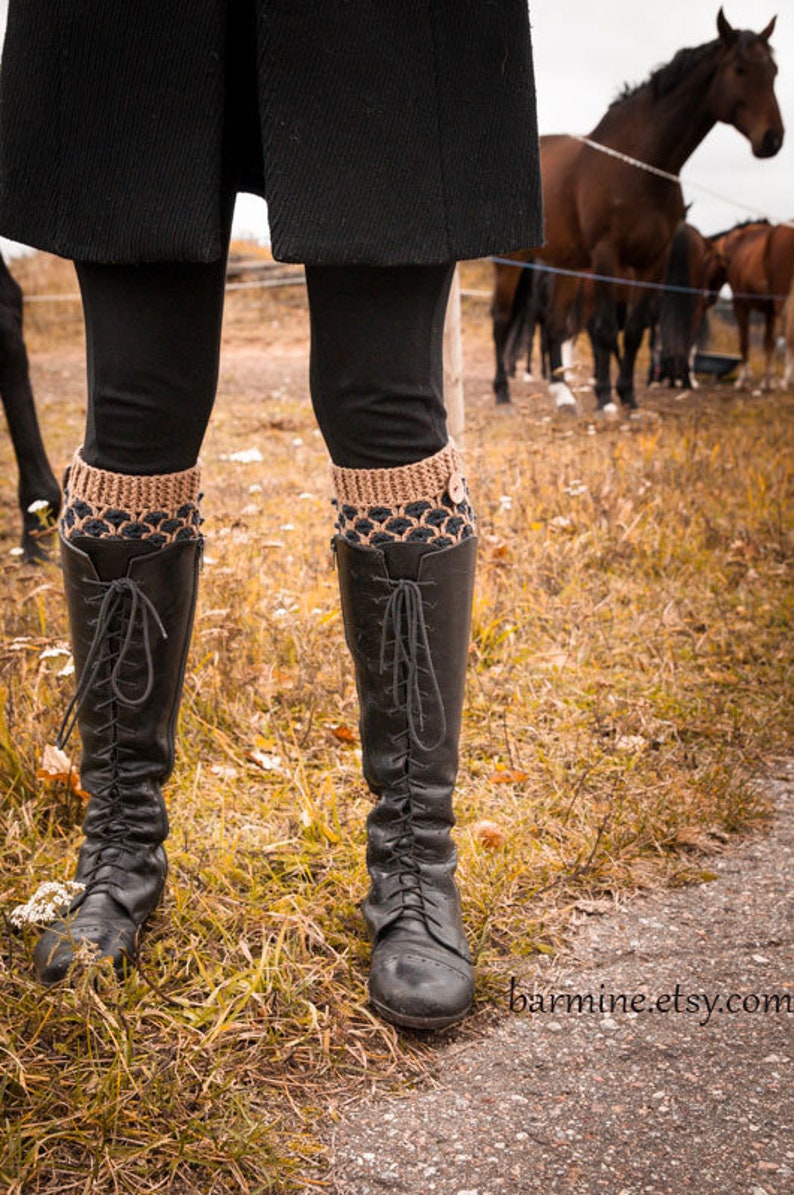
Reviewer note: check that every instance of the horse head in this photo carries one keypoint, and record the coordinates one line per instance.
(742, 93)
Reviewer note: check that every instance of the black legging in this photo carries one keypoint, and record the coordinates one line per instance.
(153, 342)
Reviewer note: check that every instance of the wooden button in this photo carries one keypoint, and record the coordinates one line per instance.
(456, 488)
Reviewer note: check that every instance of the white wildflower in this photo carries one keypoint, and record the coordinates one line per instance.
(39, 504)
(51, 653)
(17, 552)
(47, 902)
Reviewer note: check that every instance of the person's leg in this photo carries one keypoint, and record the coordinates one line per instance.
(130, 546)
(405, 549)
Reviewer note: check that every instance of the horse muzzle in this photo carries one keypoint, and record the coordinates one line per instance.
(769, 144)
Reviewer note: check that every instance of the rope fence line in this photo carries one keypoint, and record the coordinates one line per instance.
(672, 287)
(676, 178)
(539, 267)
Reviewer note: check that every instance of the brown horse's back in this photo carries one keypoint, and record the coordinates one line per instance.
(745, 252)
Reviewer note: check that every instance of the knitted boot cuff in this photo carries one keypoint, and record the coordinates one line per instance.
(159, 509)
(427, 502)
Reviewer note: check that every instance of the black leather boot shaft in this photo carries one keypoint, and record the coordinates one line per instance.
(130, 613)
(407, 613)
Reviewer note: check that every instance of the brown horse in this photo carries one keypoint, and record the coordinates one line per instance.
(759, 268)
(695, 272)
(618, 220)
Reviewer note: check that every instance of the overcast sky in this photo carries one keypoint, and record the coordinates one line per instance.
(585, 50)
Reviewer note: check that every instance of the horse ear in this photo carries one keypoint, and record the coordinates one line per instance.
(770, 29)
(725, 29)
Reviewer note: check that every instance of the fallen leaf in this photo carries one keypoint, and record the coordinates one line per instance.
(343, 733)
(489, 833)
(509, 777)
(56, 766)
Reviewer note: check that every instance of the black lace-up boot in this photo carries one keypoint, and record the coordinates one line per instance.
(407, 610)
(131, 604)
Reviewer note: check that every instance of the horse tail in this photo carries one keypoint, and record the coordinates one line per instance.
(678, 308)
(521, 326)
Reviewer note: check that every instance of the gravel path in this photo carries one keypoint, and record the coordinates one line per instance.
(676, 1099)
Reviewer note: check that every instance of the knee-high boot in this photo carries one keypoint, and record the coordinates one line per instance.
(407, 610)
(131, 604)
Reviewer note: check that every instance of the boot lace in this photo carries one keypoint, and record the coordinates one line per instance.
(118, 595)
(413, 900)
(405, 655)
(126, 618)
(405, 658)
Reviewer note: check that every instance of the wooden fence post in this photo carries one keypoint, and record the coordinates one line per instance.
(453, 363)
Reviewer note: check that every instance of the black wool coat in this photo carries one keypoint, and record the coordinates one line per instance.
(379, 131)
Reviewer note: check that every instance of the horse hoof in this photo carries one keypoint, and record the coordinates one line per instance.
(564, 401)
(608, 409)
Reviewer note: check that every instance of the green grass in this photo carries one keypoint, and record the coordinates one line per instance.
(630, 673)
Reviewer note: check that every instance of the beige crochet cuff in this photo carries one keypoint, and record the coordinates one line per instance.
(431, 478)
(131, 492)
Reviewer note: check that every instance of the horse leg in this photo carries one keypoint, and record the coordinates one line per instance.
(604, 327)
(506, 280)
(603, 351)
(559, 324)
(769, 346)
(36, 479)
(655, 354)
(636, 323)
(742, 314)
(532, 329)
(788, 336)
(559, 389)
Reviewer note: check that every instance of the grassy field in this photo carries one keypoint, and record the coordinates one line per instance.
(630, 677)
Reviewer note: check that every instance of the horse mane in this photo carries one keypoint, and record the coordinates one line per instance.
(666, 78)
(713, 236)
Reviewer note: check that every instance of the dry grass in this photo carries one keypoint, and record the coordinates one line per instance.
(630, 672)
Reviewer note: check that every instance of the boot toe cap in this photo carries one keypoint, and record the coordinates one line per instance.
(420, 989)
(89, 936)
